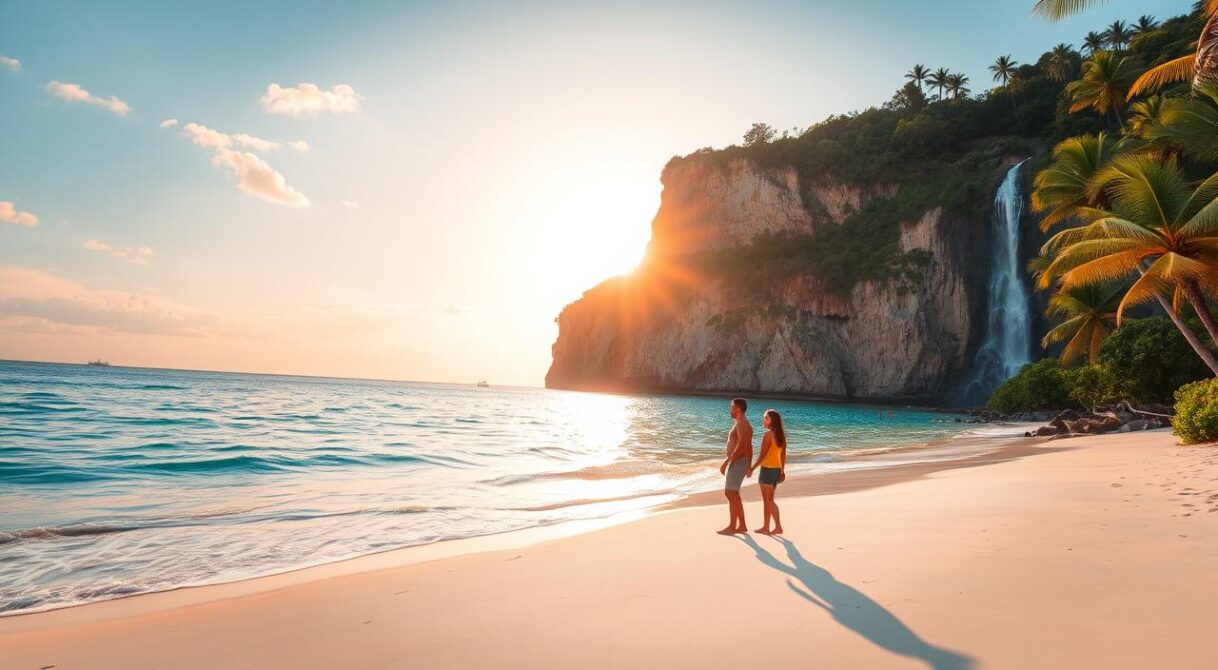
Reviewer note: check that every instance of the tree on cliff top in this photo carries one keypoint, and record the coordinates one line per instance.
(760, 133)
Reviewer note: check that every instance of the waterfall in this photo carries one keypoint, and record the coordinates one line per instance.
(1007, 343)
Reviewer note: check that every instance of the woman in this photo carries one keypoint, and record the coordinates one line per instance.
(773, 464)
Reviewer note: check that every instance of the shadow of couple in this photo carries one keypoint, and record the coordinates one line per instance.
(854, 610)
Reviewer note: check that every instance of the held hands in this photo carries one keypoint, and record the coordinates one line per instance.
(750, 474)
(782, 476)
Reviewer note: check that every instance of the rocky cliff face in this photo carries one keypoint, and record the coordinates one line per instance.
(669, 326)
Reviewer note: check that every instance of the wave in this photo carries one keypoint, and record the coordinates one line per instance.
(36, 408)
(44, 533)
(37, 473)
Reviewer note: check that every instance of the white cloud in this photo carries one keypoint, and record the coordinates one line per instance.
(214, 139)
(309, 100)
(76, 93)
(254, 175)
(134, 255)
(169, 123)
(10, 63)
(257, 178)
(10, 214)
(350, 203)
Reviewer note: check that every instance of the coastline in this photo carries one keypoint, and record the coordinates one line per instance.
(964, 566)
(998, 560)
(870, 469)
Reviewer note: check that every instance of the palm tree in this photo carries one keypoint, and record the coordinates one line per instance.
(917, 75)
(1088, 315)
(1103, 86)
(1117, 35)
(1145, 24)
(1003, 69)
(956, 85)
(1061, 62)
(938, 79)
(1187, 125)
(1146, 120)
(1068, 186)
(1159, 228)
(1200, 67)
(1094, 42)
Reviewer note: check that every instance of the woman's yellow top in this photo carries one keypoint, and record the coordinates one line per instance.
(773, 457)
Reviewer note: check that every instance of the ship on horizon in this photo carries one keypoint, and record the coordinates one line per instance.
(100, 363)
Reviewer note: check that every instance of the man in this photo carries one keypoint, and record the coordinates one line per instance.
(739, 455)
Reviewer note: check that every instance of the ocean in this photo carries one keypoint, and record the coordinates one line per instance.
(116, 481)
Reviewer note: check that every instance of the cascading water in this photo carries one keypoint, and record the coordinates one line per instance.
(1007, 343)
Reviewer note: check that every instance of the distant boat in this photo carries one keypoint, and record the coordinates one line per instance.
(99, 362)
(483, 385)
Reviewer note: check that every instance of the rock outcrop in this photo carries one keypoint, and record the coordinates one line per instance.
(670, 327)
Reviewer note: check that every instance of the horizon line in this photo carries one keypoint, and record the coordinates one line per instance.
(273, 374)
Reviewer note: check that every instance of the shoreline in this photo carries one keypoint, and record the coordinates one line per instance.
(1026, 562)
(916, 403)
(997, 449)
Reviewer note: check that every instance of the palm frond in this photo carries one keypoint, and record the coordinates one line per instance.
(1102, 269)
(1146, 288)
(1175, 70)
(1175, 268)
(1063, 331)
(1076, 345)
(1055, 10)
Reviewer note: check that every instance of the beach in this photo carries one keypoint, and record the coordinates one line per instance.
(1086, 552)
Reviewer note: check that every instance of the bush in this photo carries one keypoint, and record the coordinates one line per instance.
(1036, 386)
(1196, 417)
(1152, 359)
(1092, 385)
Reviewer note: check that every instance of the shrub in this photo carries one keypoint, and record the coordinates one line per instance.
(1092, 385)
(1196, 417)
(1151, 358)
(1036, 386)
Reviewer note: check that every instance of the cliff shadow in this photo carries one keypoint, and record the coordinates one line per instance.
(854, 610)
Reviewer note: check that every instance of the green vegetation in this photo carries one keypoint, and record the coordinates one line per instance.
(1196, 417)
(939, 146)
(1151, 359)
(1037, 386)
(1145, 360)
(1138, 208)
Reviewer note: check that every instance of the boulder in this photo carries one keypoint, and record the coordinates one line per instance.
(1101, 423)
(1137, 424)
(1045, 431)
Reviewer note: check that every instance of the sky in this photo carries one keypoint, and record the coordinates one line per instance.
(399, 190)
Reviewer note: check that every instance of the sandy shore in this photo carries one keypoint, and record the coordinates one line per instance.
(1088, 553)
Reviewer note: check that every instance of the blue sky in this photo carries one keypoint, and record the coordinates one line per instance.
(503, 158)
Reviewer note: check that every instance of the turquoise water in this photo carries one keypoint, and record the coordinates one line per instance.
(116, 481)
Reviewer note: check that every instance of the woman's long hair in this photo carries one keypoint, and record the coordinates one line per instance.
(780, 436)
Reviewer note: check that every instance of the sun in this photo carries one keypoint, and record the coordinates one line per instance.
(596, 227)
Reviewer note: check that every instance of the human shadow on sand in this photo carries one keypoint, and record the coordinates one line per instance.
(854, 610)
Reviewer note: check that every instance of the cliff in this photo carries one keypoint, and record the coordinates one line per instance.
(702, 313)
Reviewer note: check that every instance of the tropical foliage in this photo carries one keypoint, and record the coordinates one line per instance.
(1138, 207)
(1145, 360)
(1196, 417)
(1088, 314)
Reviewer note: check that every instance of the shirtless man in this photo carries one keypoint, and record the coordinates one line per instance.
(739, 455)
